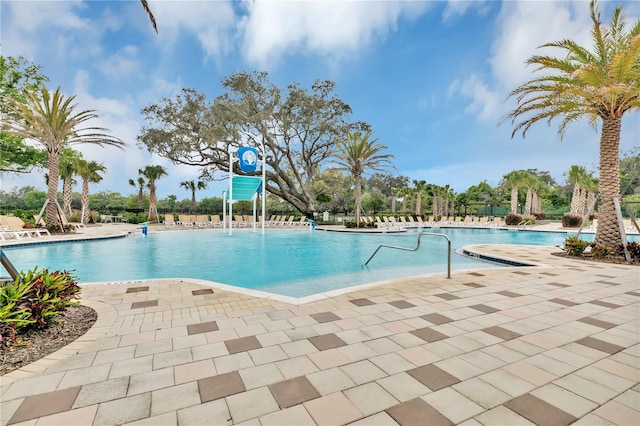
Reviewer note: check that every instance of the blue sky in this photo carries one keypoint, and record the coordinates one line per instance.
(430, 77)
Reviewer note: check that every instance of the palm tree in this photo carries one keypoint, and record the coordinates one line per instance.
(145, 6)
(152, 174)
(89, 171)
(357, 154)
(193, 186)
(140, 183)
(598, 84)
(514, 180)
(68, 166)
(577, 176)
(420, 190)
(51, 120)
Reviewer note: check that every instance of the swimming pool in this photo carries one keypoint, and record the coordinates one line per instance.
(294, 264)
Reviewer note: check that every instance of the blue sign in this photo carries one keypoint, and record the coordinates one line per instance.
(248, 158)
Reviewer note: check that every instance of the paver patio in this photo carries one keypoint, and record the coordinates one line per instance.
(557, 344)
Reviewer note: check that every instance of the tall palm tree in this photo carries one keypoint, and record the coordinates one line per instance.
(420, 190)
(601, 83)
(514, 180)
(357, 154)
(140, 184)
(577, 176)
(68, 166)
(152, 174)
(89, 171)
(52, 121)
(193, 186)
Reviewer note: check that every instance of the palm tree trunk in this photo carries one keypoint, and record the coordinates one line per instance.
(419, 204)
(514, 199)
(193, 202)
(52, 217)
(527, 204)
(358, 195)
(575, 199)
(67, 194)
(140, 198)
(153, 210)
(86, 212)
(608, 231)
(393, 203)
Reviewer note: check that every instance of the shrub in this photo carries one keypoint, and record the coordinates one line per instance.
(531, 219)
(512, 219)
(35, 299)
(570, 220)
(540, 215)
(600, 251)
(575, 246)
(634, 250)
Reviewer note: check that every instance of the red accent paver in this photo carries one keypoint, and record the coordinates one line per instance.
(221, 386)
(293, 391)
(433, 377)
(45, 404)
(417, 412)
(539, 411)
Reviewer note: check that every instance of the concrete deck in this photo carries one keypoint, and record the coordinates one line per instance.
(558, 344)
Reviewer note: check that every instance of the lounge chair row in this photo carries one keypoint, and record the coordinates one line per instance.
(12, 227)
(238, 221)
(402, 221)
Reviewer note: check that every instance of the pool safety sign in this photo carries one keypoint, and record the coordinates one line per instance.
(248, 158)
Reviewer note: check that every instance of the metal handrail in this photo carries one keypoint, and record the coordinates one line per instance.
(524, 224)
(420, 234)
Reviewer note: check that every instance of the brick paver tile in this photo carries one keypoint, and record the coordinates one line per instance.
(433, 377)
(202, 292)
(417, 412)
(125, 410)
(436, 319)
(402, 304)
(96, 393)
(221, 386)
(242, 344)
(174, 398)
(249, 405)
(327, 341)
(45, 404)
(294, 416)
(565, 400)
(484, 308)
(144, 304)
(428, 334)
(330, 381)
(137, 289)
(294, 391)
(203, 327)
(193, 371)
(333, 409)
(362, 302)
(453, 405)
(370, 398)
(79, 417)
(539, 411)
(597, 322)
(564, 302)
(618, 414)
(501, 332)
(482, 393)
(600, 345)
(322, 317)
(508, 293)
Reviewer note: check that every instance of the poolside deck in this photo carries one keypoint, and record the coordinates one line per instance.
(556, 344)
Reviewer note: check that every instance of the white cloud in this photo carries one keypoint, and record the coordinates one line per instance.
(457, 8)
(485, 103)
(332, 29)
(122, 64)
(212, 22)
(526, 25)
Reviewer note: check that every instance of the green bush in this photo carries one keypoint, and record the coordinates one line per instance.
(35, 299)
(600, 251)
(575, 246)
(634, 250)
(570, 220)
(512, 219)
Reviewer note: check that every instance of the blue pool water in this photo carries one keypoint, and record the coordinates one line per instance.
(294, 264)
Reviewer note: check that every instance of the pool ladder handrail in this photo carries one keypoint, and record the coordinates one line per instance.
(524, 224)
(420, 234)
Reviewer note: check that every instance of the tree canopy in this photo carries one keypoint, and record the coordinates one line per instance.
(298, 128)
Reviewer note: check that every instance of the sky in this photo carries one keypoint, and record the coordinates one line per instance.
(431, 78)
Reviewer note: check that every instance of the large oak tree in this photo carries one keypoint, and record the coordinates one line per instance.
(298, 128)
